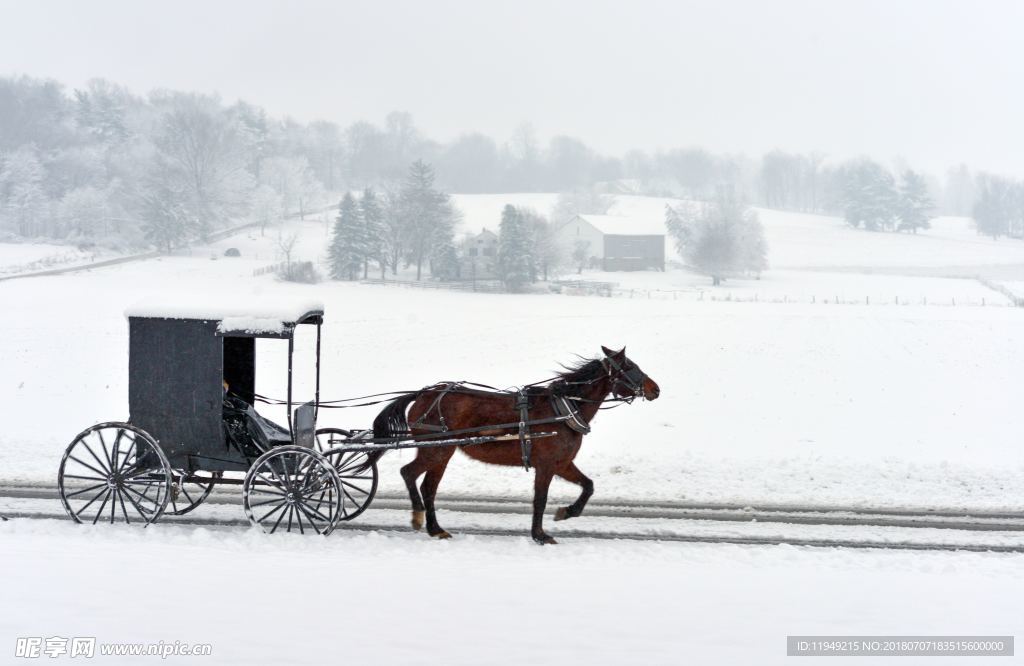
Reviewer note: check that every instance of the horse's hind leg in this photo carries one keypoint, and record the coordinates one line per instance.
(410, 473)
(571, 473)
(438, 463)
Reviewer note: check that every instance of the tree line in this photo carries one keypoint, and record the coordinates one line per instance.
(103, 164)
(415, 225)
(100, 164)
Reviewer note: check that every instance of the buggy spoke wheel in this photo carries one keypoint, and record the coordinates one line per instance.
(279, 492)
(187, 494)
(356, 472)
(116, 464)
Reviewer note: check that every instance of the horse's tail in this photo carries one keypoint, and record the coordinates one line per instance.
(392, 422)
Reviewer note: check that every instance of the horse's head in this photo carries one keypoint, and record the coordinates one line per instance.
(628, 380)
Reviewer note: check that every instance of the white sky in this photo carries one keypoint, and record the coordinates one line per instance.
(935, 82)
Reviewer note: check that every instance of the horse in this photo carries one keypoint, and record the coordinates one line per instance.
(575, 395)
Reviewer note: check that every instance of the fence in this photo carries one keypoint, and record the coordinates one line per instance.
(477, 286)
(810, 299)
(613, 290)
(272, 268)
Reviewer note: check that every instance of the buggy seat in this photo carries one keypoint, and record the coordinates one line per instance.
(248, 430)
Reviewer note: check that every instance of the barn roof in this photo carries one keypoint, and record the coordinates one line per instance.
(235, 315)
(626, 225)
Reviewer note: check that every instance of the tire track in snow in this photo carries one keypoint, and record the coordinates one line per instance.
(624, 536)
(680, 513)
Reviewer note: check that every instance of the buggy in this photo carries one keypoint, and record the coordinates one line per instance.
(193, 425)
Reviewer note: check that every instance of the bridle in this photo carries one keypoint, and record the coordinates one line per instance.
(633, 378)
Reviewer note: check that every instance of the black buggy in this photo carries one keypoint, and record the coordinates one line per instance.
(193, 425)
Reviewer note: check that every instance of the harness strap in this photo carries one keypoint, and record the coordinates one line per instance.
(525, 440)
(564, 407)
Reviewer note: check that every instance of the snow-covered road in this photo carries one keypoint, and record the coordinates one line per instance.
(669, 522)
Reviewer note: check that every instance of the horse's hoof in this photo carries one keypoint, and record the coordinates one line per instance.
(442, 535)
(562, 513)
(544, 539)
(417, 520)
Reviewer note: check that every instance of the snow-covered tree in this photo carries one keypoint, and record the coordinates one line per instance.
(547, 252)
(166, 219)
(428, 217)
(718, 238)
(371, 212)
(515, 261)
(83, 213)
(293, 179)
(580, 253)
(23, 202)
(348, 243)
(869, 196)
(914, 203)
(200, 150)
(993, 205)
(444, 260)
(266, 207)
(393, 231)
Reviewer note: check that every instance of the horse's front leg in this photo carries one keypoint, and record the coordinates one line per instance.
(541, 483)
(571, 473)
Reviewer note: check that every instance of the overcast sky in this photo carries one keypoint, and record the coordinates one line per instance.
(935, 82)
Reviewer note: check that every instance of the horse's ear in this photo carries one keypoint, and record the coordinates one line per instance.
(607, 352)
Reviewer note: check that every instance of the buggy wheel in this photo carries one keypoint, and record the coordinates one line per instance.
(188, 494)
(356, 471)
(294, 489)
(114, 465)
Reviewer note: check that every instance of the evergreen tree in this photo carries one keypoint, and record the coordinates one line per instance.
(915, 204)
(372, 213)
(993, 207)
(428, 216)
(515, 262)
(444, 261)
(347, 249)
(869, 196)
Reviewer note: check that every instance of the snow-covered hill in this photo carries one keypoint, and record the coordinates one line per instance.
(799, 240)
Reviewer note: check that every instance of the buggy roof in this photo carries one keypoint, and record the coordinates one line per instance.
(252, 316)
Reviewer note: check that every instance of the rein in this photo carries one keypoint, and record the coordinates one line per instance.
(613, 370)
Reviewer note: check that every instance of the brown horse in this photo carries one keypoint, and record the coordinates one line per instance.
(453, 407)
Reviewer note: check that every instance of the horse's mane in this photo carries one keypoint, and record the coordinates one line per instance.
(583, 371)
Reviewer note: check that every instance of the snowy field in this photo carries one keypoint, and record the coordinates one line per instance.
(776, 401)
(761, 401)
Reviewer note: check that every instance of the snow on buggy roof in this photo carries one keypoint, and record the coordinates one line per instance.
(252, 316)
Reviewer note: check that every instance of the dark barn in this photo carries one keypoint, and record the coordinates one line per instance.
(633, 252)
